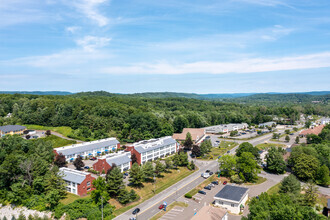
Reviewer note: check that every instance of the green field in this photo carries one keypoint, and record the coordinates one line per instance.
(274, 189)
(58, 142)
(224, 146)
(268, 145)
(64, 130)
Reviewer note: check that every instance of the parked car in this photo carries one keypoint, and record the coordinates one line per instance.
(215, 182)
(292, 134)
(205, 175)
(228, 152)
(136, 211)
(208, 187)
(207, 137)
(161, 206)
(212, 185)
(202, 192)
(211, 173)
(86, 167)
(192, 155)
(225, 182)
(207, 171)
(124, 177)
(126, 174)
(92, 158)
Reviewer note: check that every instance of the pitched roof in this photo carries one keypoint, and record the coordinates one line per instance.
(87, 146)
(73, 175)
(196, 134)
(148, 145)
(316, 130)
(119, 159)
(234, 193)
(8, 128)
(209, 213)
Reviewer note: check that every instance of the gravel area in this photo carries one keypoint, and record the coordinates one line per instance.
(10, 211)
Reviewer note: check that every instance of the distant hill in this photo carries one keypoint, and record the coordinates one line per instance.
(37, 92)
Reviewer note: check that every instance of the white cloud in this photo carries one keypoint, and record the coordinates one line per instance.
(90, 43)
(72, 29)
(90, 9)
(308, 61)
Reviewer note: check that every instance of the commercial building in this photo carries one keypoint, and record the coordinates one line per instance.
(77, 182)
(11, 129)
(325, 121)
(211, 213)
(197, 134)
(121, 159)
(149, 150)
(88, 149)
(314, 130)
(225, 128)
(267, 124)
(232, 198)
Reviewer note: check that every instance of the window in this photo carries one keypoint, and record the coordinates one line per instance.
(88, 183)
(221, 203)
(73, 184)
(74, 191)
(232, 205)
(88, 189)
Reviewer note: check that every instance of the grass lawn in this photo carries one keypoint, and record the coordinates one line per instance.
(274, 189)
(64, 130)
(268, 145)
(57, 141)
(168, 208)
(146, 192)
(224, 146)
(71, 198)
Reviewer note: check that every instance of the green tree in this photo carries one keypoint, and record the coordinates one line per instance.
(114, 180)
(188, 142)
(196, 150)
(287, 138)
(275, 162)
(176, 160)
(308, 124)
(310, 195)
(79, 163)
(179, 123)
(233, 133)
(136, 175)
(100, 192)
(148, 170)
(287, 131)
(247, 147)
(297, 140)
(227, 165)
(323, 177)
(159, 168)
(306, 167)
(290, 184)
(183, 159)
(168, 163)
(248, 167)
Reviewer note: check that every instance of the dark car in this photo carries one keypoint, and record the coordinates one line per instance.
(126, 174)
(193, 156)
(215, 182)
(207, 137)
(292, 134)
(161, 206)
(211, 173)
(208, 187)
(202, 192)
(228, 152)
(207, 171)
(92, 158)
(225, 182)
(86, 167)
(136, 211)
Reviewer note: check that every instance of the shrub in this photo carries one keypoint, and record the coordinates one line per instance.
(188, 195)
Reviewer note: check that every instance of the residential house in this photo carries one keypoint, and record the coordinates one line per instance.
(149, 150)
(211, 213)
(197, 134)
(232, 198)
(121, 159)
(325, 121)
(77, 182)
(11, 129)
(88, 149)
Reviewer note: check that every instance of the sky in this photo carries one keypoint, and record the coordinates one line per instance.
(193, 46)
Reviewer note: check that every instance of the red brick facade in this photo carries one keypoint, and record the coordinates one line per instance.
(133, 151)
(83, 188)
(100, 165)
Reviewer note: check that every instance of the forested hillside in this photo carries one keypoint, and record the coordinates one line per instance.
(100, 114)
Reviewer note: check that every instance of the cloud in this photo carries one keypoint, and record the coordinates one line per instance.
(270, 3)
(90, 9)
(308, 61)
(72, 29)
(90, 43)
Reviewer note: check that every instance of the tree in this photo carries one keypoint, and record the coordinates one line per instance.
(115, 181)
(179, 123)
(308, 124)
(323, 177)
(205, 147)
(78, 163)
(100, 192)
(287, 138)
(233, 133)
(297, 140)
(134, 158)
(48, 132)
(196, 150)
(275, 162)
(290, 184)
(60, 160)
(148, 170)
(295, 129)
(310, 195)
(276, 136)
(168, 163)
(305, 167)
(247, 167)
(136, 175)
(287, 131)
(176, 160)
(160, 167)
(247, 147)
(227, 165)
(188, 142)
(192, 165)
(313, 139)
(183, 159)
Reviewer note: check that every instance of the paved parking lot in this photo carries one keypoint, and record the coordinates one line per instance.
(173, 213)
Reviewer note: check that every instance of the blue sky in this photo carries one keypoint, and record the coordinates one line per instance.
(200, 46)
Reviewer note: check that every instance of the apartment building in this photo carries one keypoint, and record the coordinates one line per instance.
(149, 150)
(121, 159)
(11, 130)
(77, 182)
(88, 149)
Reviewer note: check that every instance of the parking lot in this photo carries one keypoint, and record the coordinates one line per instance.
(173, 213)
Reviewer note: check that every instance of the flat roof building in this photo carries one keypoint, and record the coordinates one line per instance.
(197, 134)
(314, 130)
(225, 128)
(232, 198)
(121, 159)
(77, 182)
(269, 124)
(211, 213)
(11, 129)
(149, 150)
(87, 149)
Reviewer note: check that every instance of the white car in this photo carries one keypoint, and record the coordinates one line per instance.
(205, 175)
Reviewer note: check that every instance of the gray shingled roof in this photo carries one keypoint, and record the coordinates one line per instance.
(233, 193)
(73, 175)
(166, 141)
(87, 147)
(8, 128)
(118, 160)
